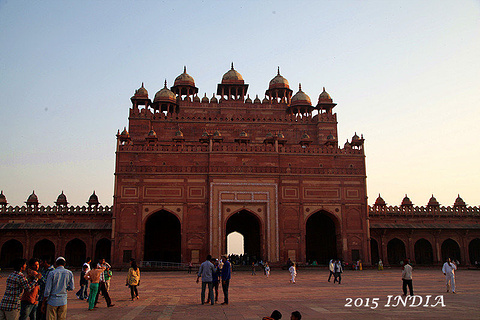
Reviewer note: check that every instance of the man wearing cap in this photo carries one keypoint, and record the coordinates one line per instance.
(59, 281)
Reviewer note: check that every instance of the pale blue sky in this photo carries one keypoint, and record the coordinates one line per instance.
(404, 73)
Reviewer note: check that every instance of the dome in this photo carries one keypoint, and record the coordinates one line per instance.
(278, 82)
(300, 98)
(184, 79)
(257, 100)
(93, 200)
(196, 99)
(324, 97)
(380, 201)
(205, 99)
(61, 200)
(459, 202)
(232, 77)
(248, 100)
(214, 99)
(141, 92)
(265, 100)
(124, 133)
(406, 201)
(347, 145)
(355, 137)
(3, 199)
(165, 95)
(433, 202)
(32, 199)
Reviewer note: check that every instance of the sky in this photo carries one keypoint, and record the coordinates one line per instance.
(405, 74)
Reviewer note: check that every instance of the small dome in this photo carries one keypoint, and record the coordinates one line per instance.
(355, 137)
(205, 99)
(278, 82)
(61, 200)
(380, 201)
(257, 100)
(300, 98)
(124, 133)
(248, 100)
(3, 199)
(406, 201)
(196, 99)
(347, 145)
(433, 202)
(152, 133)
(179, 133)
(214, 99)
(184, 79)
(141, 92)
(232, 77)
(324, 97)
(459, 202)
(93, 200)
(265, 100)
(165, 95)
(32, 199)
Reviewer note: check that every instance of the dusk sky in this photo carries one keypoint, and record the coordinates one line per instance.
(405, 74)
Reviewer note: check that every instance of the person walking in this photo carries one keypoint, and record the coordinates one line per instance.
(29, 300)
(293, 272)
(82, 293)
(449, 272)
(338, 269)
(133, 279)
(16, 283)
(59, 281)
(215, 280)
(331, 268)
(206, 271)
(94, 277)
(102, 286)
(407, 277)
(226, 275)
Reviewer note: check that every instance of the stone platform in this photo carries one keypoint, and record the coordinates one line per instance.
(175, 295)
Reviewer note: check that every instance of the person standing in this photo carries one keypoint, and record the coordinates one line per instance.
(102, 287)
(380, 264)
(449, 271)
(16, 283)
(293, 272)
(133, 279)
(253, 269)
(226, 275)
(94, 277)
(331, 268)
(29, 300)
(82, 293)
(267, 270)
(215, 279)
(407, 277)
(338, 269)
(46, 268)
(206, 271)
(59, 281)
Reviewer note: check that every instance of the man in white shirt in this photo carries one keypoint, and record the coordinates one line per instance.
(449, 271)
(407, 277)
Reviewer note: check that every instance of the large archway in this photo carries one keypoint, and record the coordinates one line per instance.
(320, 238)
(450, 249)
(474, 251)
(44, 249)
(374, 251)
(423, 252)
(396, 251)
(163, 238)
(11, 250)
(75, 253)
(102, 249)
(248, 225)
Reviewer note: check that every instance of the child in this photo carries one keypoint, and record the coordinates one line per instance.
(82, 293)
(267, 270)
(293, 272)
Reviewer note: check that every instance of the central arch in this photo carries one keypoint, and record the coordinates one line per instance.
(320, 238)
(248, 225)
(44, 249)
(163, 238)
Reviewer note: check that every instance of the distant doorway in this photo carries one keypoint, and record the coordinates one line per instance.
(235, 243)
(102, 249)
(75, 253)
(44, 248)
(450, 249)
(248, 225)
(163, 238)
(321, 240)
(474, 251)
(423, 252)
(374, 251)
(11, 250)
(396, 251)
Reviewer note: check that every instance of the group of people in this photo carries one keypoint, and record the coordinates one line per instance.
(277, 315)
(212, 272)
(335, 267)
(37, 290)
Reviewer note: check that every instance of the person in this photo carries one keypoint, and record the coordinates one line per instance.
(338, 269)
(133, 279)
(46, 268)
(289, 263)
(16, 283)
(293, 272)
(267, 270)
(226, 275)
(107, 275)
(296, 316)
(190, 267)
(206, 271)
(449, 272)
(102, 286)
(59, 281)
(380, 264)
(82, 293)
(331, 268)
(276, 315)
(253, 269)
(215, 278)
(94, 277)
(29, 300)
(407, 277)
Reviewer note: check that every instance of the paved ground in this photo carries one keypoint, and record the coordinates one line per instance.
(175, 295)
